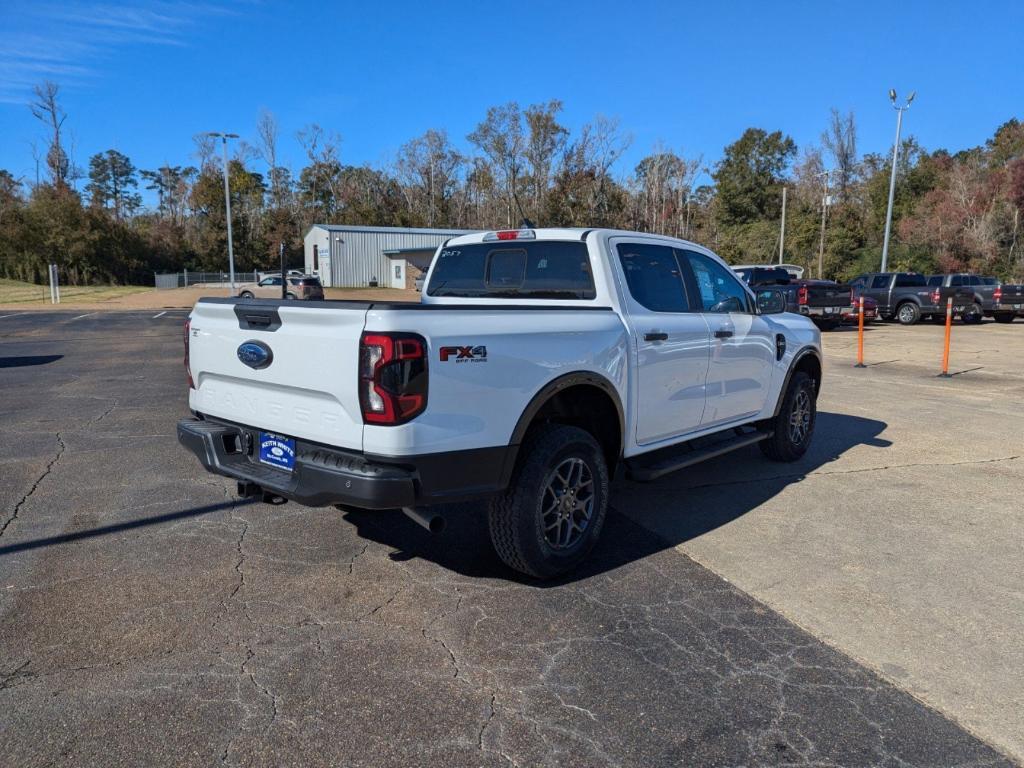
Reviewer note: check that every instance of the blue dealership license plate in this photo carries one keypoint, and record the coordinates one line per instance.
(277, 451)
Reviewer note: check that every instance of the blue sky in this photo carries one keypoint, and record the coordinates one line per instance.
(144, 77)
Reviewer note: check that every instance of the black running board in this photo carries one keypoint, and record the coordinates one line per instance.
(646, 471)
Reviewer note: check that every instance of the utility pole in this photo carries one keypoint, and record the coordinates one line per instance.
(227, 205)
(782, 232)
(824, 208)
(892, 175)
(284, 276)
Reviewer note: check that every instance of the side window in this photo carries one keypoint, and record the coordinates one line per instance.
(935, 280)
(858, 282)
(880, 281)
(956, 281)
(973, 280)
(719, 289)
(653, 276)
(266, 281)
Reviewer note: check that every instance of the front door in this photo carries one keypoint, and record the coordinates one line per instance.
(670, 342)
(742, 358)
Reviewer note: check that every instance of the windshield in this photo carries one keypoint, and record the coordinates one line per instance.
(525, 269)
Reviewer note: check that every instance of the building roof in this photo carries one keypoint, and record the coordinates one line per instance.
(407, 251)
(392, 230)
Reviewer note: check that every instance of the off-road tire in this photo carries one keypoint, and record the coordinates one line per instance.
(908, 313)
(782, 446)
(516, 517)
(1004, 318)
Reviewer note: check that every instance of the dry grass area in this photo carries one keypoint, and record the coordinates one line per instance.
(22, 296)
(16, 292)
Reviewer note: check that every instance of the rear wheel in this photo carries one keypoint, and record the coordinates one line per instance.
(794, 426)
(246, 295)
(551, 515)
(1004, 317)
(289, 295)
(826, 325)
(908, 313)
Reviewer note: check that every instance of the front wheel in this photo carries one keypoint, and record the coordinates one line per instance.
(793, 428)
(908, 313)
(245, 295)
(551, 515)
(289, 295)
(972, 314)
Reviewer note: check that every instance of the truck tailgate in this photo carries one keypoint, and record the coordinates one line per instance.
(309, 389)
(828, 295)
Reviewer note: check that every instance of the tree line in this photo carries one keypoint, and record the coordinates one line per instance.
(952, 211)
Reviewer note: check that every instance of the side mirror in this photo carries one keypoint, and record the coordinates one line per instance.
(770, 301)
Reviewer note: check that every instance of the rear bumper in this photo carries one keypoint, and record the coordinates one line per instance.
(325, 476)
(835, 312)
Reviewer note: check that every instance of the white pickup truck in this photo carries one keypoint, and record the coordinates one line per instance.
(537, 364)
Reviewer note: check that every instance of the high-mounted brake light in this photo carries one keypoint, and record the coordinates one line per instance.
(188, 369)
(801, 295)
(392, 377)
(510, 234)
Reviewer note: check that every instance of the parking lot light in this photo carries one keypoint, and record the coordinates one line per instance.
(227, 204)
(892, 176)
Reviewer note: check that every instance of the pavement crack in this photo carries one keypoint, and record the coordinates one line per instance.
(21, 502)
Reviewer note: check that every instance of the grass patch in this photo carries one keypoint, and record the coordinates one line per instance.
(17, 292)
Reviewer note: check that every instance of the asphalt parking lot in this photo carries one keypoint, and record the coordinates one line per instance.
(861, 607)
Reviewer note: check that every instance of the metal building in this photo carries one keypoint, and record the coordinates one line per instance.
(359, 257)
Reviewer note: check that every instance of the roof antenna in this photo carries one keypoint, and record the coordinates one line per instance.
(525, 223)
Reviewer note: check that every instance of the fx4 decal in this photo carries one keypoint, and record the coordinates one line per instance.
(464, 354)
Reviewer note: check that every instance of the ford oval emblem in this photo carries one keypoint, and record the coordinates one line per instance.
(255, 354)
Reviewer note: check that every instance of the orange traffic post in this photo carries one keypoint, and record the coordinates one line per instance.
(860, 335)
(949, 328)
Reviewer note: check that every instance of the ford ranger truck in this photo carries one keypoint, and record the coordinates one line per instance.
(538, 365)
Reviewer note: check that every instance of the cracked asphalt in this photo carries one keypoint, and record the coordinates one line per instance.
(149, 618)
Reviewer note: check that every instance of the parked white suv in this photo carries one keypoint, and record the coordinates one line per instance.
(537, 365)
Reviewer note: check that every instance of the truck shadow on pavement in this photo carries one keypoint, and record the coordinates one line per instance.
(737, 483)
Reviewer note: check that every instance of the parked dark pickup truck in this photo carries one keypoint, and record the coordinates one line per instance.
(823, 301)
(1008, 302)
(983, 290)
(907, 297)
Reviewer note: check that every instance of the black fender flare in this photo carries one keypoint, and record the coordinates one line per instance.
(801, 354)
(544, 394)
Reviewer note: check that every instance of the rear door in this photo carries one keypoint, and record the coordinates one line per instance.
(670, 341)
(742, 357)
(308, 385)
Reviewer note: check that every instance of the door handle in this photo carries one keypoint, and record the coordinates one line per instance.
(651, 336)
(723, 334)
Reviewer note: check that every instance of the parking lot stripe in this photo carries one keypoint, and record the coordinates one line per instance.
(87, 314)
(15, 314)
(160, 315)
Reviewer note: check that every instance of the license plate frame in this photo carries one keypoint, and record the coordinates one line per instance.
(276, 451)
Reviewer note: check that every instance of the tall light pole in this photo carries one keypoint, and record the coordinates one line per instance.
(782, 228)
(824, 208)
(892, 177)
(227, 204)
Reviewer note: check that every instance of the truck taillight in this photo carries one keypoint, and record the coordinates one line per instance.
(188, 369)
(936, 296)
(801, 295)
(997, 294)
(392, 377)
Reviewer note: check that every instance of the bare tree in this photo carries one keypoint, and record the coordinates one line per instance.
(500, 138)
(48, 111)
(206, 149)
(545, 141)
(840, 140)
(266, 127)
(428, 171)
(322, 148)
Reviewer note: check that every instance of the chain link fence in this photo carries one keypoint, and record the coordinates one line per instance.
(210, 279)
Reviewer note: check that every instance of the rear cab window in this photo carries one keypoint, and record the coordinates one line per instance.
(910, 280)
(521, 269)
